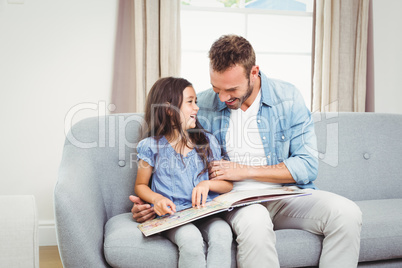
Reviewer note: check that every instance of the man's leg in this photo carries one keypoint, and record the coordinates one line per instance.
(255, 236)
(337, 218)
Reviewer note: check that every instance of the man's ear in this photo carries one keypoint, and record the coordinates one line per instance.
(255, 70)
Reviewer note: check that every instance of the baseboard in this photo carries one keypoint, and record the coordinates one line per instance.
(47, 233)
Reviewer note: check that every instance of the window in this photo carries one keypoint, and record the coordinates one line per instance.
(279, 30)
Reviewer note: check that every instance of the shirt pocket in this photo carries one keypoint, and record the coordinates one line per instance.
(282, 144)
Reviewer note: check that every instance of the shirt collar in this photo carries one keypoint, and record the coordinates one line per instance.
(266, 92)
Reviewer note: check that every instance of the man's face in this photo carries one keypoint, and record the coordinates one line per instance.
(232, 86)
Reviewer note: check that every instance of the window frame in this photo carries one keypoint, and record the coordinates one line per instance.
(246, 12)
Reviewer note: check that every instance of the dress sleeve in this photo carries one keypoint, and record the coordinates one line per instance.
(145, 151)
(215, 148)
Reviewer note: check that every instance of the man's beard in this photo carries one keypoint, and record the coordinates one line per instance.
(243, 98)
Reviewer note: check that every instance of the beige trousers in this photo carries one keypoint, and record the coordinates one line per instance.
(337, 218)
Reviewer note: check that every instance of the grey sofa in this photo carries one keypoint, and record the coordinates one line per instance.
(360, 158)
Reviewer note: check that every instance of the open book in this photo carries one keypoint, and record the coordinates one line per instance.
(224, 202)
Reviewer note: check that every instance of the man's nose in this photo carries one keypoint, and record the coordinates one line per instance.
(223, 96)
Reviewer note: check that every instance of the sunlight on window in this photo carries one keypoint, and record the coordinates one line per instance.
(279, 30)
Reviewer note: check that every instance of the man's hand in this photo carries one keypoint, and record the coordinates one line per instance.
(200, 192)
(227, 170)
(141, 211)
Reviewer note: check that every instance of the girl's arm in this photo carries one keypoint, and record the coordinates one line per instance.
(220, 188)
(162, 205)
(200, 192)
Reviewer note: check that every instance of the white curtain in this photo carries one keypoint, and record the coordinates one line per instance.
(340, 55)
(147, 48)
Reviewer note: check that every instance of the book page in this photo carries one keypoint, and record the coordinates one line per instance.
(166, 222)
(234, 196)
(221, 203)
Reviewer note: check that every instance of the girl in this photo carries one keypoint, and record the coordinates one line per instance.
(176, 154)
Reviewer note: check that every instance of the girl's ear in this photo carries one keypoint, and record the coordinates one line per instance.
(169, 111)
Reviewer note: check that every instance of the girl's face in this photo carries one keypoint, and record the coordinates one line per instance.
(188, 109)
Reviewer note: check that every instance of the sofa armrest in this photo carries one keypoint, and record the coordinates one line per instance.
(79, 210)
(19, 245)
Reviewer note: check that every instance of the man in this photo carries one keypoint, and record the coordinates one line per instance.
(267, 136)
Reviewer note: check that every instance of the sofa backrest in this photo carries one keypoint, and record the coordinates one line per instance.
(359, 155)
(104, 148)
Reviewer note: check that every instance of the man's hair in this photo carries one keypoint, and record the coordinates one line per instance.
(230, 50)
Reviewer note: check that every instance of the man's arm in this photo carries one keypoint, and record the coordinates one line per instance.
(300, 162)
(231, 171)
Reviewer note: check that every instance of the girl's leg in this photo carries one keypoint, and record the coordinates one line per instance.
(190, 243)
(219, 236)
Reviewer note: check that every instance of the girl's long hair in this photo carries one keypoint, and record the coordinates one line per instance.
(162, 117)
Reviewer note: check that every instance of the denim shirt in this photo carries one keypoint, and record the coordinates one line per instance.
(173, 177)
(284, 123)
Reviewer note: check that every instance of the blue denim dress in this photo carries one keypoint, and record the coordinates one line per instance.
(174, 177)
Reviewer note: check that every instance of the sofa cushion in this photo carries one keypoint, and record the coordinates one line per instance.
(298, 247)
(126, 246)
(381, 236)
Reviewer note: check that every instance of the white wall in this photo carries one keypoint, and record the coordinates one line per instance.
(54, 54)
(387, 23)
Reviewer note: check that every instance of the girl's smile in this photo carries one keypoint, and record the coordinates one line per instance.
(189, 109)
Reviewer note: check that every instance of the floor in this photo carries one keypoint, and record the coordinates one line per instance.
(49, 257)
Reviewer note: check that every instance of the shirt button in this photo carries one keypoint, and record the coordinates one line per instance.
(268, 156)
(122, 163)
(258, 121)
(366, 156)
(283, 137)
(263, 138)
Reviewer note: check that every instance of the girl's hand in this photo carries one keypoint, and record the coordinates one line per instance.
(164, 206)
(200, 193)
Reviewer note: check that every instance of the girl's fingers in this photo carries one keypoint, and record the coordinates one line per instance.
(172, 206)
(204, 197)
(193, 197)
(197, 198)
(168, 208)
